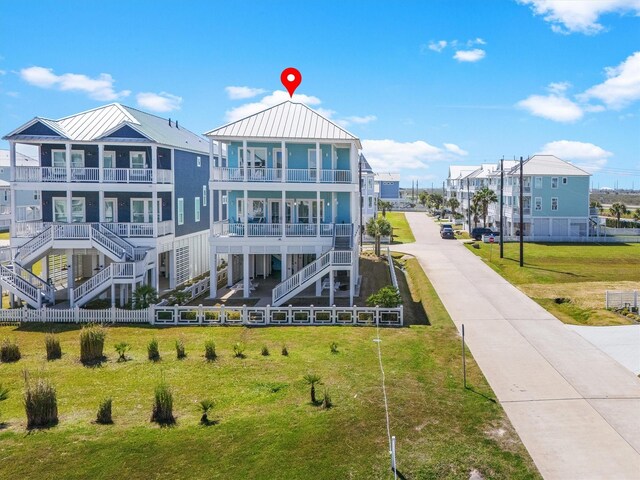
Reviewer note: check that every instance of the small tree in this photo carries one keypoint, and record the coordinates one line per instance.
(144, 296)
(180, 349)
(384, 206)
(437, 200)
(326, 401)
(205, 406)
(9, 351)
(423, 198)
(153, 352)
(377, 228)
(386, 297)
(104, 412)
(122, 348)
(636, 215)
(312, 379)
(485, 197)
(210, 350)
(453, 203)
(618, 209)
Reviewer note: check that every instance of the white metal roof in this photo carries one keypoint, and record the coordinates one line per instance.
(100, 122)
(461, 171)
(288, 120)
(21, 159)
(548, 165)
(387, 177)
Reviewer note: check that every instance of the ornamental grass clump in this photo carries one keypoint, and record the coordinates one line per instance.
(52, 345)
(180, 349)
(152, 350)
(285, 351)
(326, 401)
(210, 351)
(40, 403)
(265, 351)
(238, 350)
(163, 405)
(334, 347)
(92, 344)
(9, 351)
(104, 412)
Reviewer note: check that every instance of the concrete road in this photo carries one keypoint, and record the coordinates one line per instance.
(576, 409)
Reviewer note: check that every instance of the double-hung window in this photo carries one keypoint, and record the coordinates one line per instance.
(109, 160)
(77, 159)
(538, 203)
(138, 159)
(197, 209)
(180, 211)
(554, 182)
(204, 195)
(538, 182)
(312, 163)
(58, 158)
(554, 203)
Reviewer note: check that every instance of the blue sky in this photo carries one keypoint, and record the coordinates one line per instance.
(424, 84)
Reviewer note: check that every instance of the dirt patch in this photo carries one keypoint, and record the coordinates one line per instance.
(504, 435)
(583, 294)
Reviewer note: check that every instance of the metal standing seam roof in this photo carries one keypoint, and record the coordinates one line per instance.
(100, 122)
(287, 120)
(548, 165)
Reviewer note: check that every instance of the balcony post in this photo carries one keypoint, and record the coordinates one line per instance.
(283, 211)
(245, 160)
(318, 160)
(12, 162)
(155, 210)
(67, 155)
(318, 219)
(283, 146)
(69, 203)
(101, 217)
(154, 164)
(245, 213)
(100, 164)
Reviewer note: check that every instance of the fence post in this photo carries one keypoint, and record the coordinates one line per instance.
(223, 315)
(401, 315)
(43, 314)
(290, 314)
(268, 315)
(175, 314)
(152, 314)
(76, 313)
(245, 315)
(334, 315)
(606, 298)
(200, 314)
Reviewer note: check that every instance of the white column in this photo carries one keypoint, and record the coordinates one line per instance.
(101, 204)
(67, 155)
(283, 146)
(213, 274)
(245, 275)
(331, 288)
(319, 281)
(45, 269)
(230, 270)
(318, 219)
(246, 212)
(172, 269)
(352, 286)
(283, 213)
(113, 294)
(154, 163)
(334, 207)
(283, 264)
(318, 160)
(246, 162)
(68, 194)
(101, 164)
(12, 161)
(155, 210)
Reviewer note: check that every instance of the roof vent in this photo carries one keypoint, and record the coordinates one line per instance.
(169, 122)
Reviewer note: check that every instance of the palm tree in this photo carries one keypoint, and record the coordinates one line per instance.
(423, 198)
(454, 203)
(312, 379)
(436, 200)
(618, 209)
(205, 406)
(636, 215)
(144, 296)
(485, 197)
(475, 209)
(384, 206)
(376, 228)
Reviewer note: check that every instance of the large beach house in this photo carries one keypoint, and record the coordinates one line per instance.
(123, 202)
(292, 192)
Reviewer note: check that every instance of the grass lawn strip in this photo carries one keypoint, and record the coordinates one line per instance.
(267, 428)
(578, 273)
(401, 231)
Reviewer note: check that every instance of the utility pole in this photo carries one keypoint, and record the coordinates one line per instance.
(468, 207)
(521, 213)
(502, 207)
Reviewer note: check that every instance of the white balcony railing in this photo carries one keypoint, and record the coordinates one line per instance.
(302, 175)
(91, 175)
(226, 229)
(125, 230)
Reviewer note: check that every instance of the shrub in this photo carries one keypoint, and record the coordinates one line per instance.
(40, 403)
(144, 296)
(180, 350)
(210, 350)
(265, 351)
(104, 412)
(9, 351)
(312, 379)
(326, 401)
(334, 347)
(180, 297)
(205, 406)
(387, 297)
(238, 350)
(122, 348)
(163, 405)
(92, 343)
(152, 350)
(285, 351)
(52, 344)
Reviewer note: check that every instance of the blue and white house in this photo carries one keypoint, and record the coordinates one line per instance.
(291, 189)
(124, 202)
(367, 191)
(387, 187)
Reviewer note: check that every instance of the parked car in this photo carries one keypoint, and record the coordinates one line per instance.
(447, 232)
(446, 225)
(478, 232)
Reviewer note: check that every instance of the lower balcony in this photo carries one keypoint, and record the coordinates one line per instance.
(125, 230)
(227, 229)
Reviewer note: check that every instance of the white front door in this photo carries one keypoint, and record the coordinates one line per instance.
(110, 210)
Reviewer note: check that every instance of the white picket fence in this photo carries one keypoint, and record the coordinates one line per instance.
(621, 299)
(201, 315)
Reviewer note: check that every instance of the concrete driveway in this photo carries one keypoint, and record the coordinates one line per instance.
(576, 409)
(622, 342)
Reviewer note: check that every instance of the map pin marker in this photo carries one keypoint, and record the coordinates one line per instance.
(290, 78)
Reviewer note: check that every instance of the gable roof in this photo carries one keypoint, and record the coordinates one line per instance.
(21, 159)
(287, 120)
(387, 177)
(548, 165)
(458, 171)
(102, 122)
(366, 167)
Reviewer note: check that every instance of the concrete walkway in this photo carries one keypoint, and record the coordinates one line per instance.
(622, 342)
(576, 409)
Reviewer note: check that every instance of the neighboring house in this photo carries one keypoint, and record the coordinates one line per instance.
(124, 203)
(292, 194)
(367, 191)
(555, 196)
(30, 199)
(388, 187)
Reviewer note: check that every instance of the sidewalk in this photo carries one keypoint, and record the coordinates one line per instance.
(576, 409)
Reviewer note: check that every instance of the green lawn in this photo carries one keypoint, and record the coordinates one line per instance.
(576, 275)
(267, 427)
(401, 231)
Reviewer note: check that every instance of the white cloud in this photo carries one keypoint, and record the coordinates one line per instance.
(554, 106)
(3, 72)
(437, 46)
(478, 41)
(274, 98)
(361, 120)
(236, 93)
(470, 55)
(159, 102)
(622, 86)
(392, 156)
(100, 88)
(570, 16)
(559, 87)
(584, 155)
(453, 148)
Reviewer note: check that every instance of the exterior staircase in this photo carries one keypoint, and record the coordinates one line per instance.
(26, 285)
(310, 274)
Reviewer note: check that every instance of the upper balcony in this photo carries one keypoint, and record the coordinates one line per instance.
(92, 175)
(280, 175)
